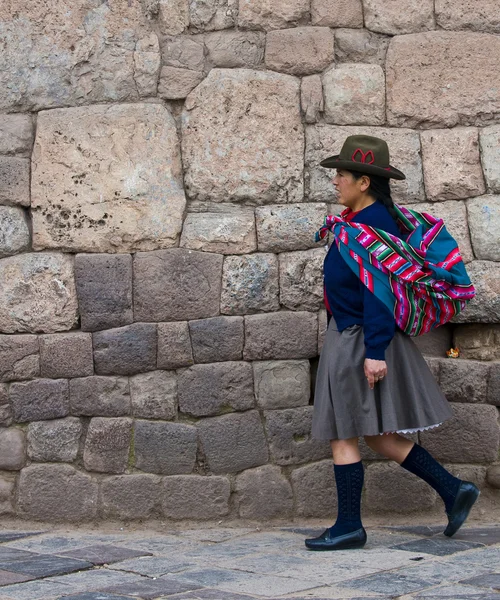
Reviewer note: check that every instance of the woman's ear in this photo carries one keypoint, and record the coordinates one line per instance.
(364, 183)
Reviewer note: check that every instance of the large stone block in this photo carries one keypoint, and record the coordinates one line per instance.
(54, 441)
(436, 342)
(173, 285)
(128, 497)
(99, 396)
(484, 225)
(154, 395)
(398, 16)
(493, 395)
(263, 109)
(477, 342)
(125, 350)
(147, 63)
(464, 380)
(184, 52)
(472, 436)
(19, 357)
(6, 417)
(360, 46)
(14, 231)
(281, 335)
(337, 13)
(57, 493)
(267, 14)
(195, 497)
(14, 181)
(173, 16)
(463, 96)
(220, 233)
(66, 355)
(133, 201)
(217, 339)
(175, 83)
(39, 399)
(315, 490)
(250, 284)
(7, 487)
(12, 449)
(174, 345)
(485, 307)
(282, 383)
(211, 15)
(322, 328)
(263, 493)
(232, 443)
(16, 134)
(489, 142)
(234, 49)
(478, 15)
(301, 279)
(311, 98)
(165, 448)
(37, 293)
(104, 288)
(107, 444)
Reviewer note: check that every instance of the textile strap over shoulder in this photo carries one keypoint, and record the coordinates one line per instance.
(422, 280)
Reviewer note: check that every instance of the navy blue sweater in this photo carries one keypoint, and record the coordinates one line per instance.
(349, 300)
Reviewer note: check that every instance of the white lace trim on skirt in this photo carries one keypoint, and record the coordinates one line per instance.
(411, 430)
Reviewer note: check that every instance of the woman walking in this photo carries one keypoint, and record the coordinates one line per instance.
(372, 380)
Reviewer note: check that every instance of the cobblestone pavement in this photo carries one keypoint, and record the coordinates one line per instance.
(224, 563)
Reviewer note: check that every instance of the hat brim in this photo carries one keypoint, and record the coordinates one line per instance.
(334, 162)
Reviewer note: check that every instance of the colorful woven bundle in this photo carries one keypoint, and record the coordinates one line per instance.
(421, 279)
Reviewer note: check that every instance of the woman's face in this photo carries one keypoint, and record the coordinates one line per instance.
(349, 190)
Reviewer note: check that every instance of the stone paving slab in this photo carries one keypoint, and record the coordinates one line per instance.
(437, 546)
(46, 566)
(9, 536)
(9, 577)
(148, 590)
(454, 591)
(155, 566)
(490, 580)
(102, 554)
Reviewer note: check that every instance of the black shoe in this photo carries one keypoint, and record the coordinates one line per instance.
(467, 494)
(355, 539)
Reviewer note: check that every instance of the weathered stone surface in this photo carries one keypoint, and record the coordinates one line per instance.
(99, 396)
(389, 488)
(57, 493)
(217, 339)
(485, 307)
(477, 342)
(14, 231)
(473, 473)
(322, 327)
(263, 109)
(301, 279)
(233, 49)
(267, 14)
(66, 355)
(493, 476)
(133, 201)
(360, 46)
(484, 224)
(175, 83)
(12, 449)
(14, 180)
(464, 380)
(493, 395)
(54, 441)
(19, 357)
(127, 497)
(107, 444)
(249, 284)
(173, 16)
(165, 448)
(6, 418)
(37, 293)
(463, 96)
(184, 52)
(220, 233)
(125, 350)
(354, 95)
(154, 395)
(195, 497)
(452, 169)
(404, 146)
(472, 436)
(299, 51)
(174, 346)
(39, 399)
(7, 486)
(193, 290)
(396, 17)
(478, 15)
(315, 490)
(337, 13)
(435, 343)
(263, 493)
(289, 435)
(211, 15)
(232, 443)
(16, 134)
(282, 383)
(489, 142)
(311, 98)
(147, 63)
(281, 335)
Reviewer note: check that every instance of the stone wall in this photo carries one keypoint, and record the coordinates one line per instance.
(160, 291)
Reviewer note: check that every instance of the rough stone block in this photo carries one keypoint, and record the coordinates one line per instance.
(459, 175)
(99, 396)
(354, 95)
(472, 436)
(337, 13)
(19, 357)
(322, 328)
(66, 355)
(267, 14)
(195, 497)
(12, 449)
(220, 233)
(485, 307)
(250, 284)
(464, 380)
(398, 16)
(263, 493)
(14, 231)
(154, 395)
(125, 350)
(7, 487)
(37, 293)
(217, 339)
(165, 448)
(147, 63)
(209, 390)
(6, 417)
(493, 476)
(132, 202)
(39, 399)
(104, 288)
(473, 473)
(435, 343)
(484, 224)
(463, 96)
(282, 383)
(234, 49)
(212, 15)
(54, 441)
(360, 46)
(16, 134)
(489, 142)
(477, 342)
(301, 279)
(173, 16)
(173, 285)
(315, 490)
(477, 15)
(57, 493)
(14, 181)
(281, 335)
(174, 346)
(131, 497)
(311, 98)
(175, 83)
(184, 52)
(234, 442)
(288, 227)
(434, 365)
(218, 115)
(493, 395)
(107, 444)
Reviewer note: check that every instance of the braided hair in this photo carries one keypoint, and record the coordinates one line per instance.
(380, 189)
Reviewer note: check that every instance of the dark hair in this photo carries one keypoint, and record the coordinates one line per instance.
(379, 189)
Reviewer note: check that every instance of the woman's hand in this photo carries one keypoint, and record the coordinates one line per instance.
(375, 370)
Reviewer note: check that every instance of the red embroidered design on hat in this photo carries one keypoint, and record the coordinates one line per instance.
(364, 156)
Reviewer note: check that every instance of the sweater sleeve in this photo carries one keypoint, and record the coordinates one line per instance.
(379, 325)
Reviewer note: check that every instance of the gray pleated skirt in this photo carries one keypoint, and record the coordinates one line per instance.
(407, 399)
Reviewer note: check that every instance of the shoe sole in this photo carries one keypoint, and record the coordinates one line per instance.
(452, 528)
(333, 548)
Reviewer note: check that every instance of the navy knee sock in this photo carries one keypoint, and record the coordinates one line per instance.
(422, 464)
(349, 480)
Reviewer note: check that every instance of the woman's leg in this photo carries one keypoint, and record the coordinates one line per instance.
(391, 445)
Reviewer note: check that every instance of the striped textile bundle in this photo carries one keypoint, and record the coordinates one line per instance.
(422, 279)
